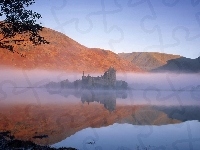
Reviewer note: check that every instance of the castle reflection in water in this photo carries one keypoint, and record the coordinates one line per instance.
(105, 97)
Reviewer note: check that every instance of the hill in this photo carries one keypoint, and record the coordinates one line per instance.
(148, 60)
(180, 65)
(62, 53)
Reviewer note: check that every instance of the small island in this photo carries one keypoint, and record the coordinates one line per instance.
(106, 81)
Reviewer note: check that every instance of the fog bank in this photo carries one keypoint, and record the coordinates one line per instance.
(144, 89)
(30, 78)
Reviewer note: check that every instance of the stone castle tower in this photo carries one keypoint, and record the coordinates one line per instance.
(110, 76)
(106, 80)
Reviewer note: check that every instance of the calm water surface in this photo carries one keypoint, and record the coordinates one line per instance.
(148, 117)
(126, 136)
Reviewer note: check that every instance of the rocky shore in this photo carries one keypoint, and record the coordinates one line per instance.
(8, 142)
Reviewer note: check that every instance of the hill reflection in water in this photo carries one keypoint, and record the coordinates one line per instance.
(62, 113)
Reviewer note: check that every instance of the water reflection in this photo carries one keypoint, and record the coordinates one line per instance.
(105, 97)
(182, 113)
(80, 110)
(48, 116)
(134, 137)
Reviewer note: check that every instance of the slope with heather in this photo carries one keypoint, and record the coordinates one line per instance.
(62, 53)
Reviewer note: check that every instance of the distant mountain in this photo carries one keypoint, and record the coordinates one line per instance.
(180, 65)
(62, 53)
(148, 60)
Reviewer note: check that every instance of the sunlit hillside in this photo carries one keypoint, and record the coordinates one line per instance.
(62, 53)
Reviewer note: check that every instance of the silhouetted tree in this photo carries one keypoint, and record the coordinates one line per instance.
(19, 20)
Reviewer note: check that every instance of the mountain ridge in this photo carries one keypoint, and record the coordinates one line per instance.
(180, 65)
(63, 53)
(148, 60)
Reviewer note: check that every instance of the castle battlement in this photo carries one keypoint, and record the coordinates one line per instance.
(108, 79)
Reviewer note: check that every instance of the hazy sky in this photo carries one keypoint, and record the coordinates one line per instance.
(169, 26)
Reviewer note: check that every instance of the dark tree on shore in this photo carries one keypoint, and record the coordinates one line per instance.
(19, 20)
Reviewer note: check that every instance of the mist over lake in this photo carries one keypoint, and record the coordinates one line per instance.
(152, 104)
(146, 87)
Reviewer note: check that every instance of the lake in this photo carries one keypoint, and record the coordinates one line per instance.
(146, 116)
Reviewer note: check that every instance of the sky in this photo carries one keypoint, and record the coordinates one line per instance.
(166, 26)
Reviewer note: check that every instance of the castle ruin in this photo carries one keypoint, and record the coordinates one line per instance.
(106, 80)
